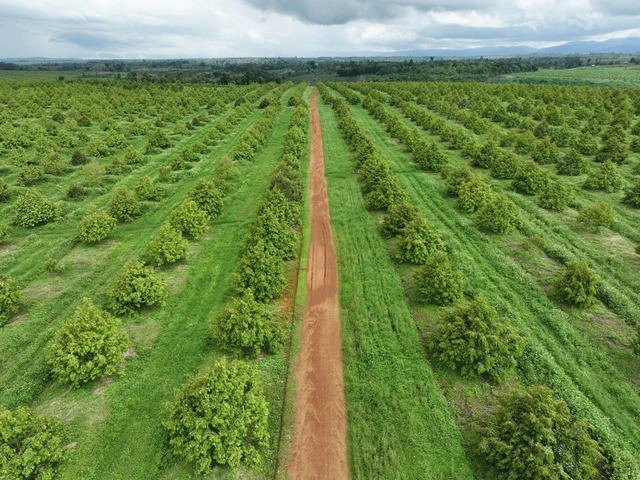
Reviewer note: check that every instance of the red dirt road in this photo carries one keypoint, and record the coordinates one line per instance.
(318, 449)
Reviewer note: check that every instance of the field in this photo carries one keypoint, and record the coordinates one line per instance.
(495, 179)
(619, 76)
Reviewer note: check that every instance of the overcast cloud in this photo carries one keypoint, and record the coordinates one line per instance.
(216, 28)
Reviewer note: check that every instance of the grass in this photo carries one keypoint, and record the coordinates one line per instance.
(399, 423)
(621, 76)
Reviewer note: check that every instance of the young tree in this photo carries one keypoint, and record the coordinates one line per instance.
(572, 163)
(499, 214)
(5, 190)
(87, 346)
(268, 228)
(78, 158)
(489, 153)
(607, 178)
(577, 284)
(385, 193)
(136, 287)
(556, 195)
(260, 270)
(32, 447)
(472, 338)
(532, 436)
(33, 209)
(220, 417)
(437, 282)
(95, 225)
(30, 175)
(530, 178)
(472, 195)
(284, 209)
(546, 152)
(456, 178)
(598, 215)
(5, 230)
(189, 219)
(168, 246)
(208, 196)
(399, 215)
(632, 196)
(505, 165)
(146, 190)
(123, 205)
(159, 139)
(248, 327)
(429, 156)
(418, 240)
(10, 296)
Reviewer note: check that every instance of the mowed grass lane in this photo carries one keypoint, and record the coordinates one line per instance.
(399, 423)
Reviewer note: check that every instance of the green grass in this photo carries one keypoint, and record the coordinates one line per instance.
(399, 423)
(621, 76)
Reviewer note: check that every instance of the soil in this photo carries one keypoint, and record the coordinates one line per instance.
(318, 449)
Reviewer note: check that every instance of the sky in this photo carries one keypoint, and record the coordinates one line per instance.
(258, 28)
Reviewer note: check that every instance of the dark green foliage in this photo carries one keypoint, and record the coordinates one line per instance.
(632, 196)
(284, 209)
(456, 178)
(418, 240)
(399, 215)
(78, 158)
(76, 191)
(556, 195)
(123, 205)
(5, 230)
(577, 284)
(598, 215)
(52, 164)
(505, 165)
(267, 227)
(488, 153)
(189, 219)
(168, 246)
(136, 287)
(87, 346)
(607, 178)
(33, 208)
(31, 447)
(613, 150)
(220, 417)
(386, 192)
(499, 214)
(5, 190)
(472, 195)
(437, 282)
(95, 225)
(572, 163)
(261, 270)
(546, 152)
(530, 178)
(472, 339)
(10, 296)
(532, 436)
(159, 139)
(429, 156)
(287, 179)
(30, 175)
(248, 327)
(145, 189)
(207, 196)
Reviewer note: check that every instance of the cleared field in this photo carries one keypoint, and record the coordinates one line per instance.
(627, 76)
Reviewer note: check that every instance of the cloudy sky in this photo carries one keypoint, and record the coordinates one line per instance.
(218, 28)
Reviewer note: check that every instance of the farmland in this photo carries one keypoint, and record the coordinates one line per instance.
(627, 76)
(487, 249)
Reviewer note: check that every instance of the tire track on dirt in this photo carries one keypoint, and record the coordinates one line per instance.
(318, 449)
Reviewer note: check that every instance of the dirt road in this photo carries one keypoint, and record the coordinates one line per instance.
(318, 449)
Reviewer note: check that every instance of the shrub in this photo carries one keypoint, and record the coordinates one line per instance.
(166, 175)
(261, 270)
(398, 216)
(499, 214)
(287, 180)
(76, 191)
(5, 190)
(472, 338)
(286, 210)
(572, 163)
(600, 214)
(220, 417)
(123, 205)
(87, 346)
(10, 296)
(132, 156)
(418, 240)
(207, 196)
(78, 158)
(159, 139)
(30, 175)
(545, 152)
(277, 234)
(94, 172)
(556, 195)
(632, 196)
(51, 265)
(33, 209)
(473, 194)
(136, 287)
(52, 164)
(248, 327)
(223, 171)
(146, 190)
(437, 282)
(95, 225)
(577, 284)
(168, 246)
(189, 219)
(243, 152)
(488, 153)
(429, 156)
(613, 150)
(505, 165)
(5, 230)
(32, 446)
(456, 178)
(385, 193)
(532, 436)
(607, 178)
(530, 178)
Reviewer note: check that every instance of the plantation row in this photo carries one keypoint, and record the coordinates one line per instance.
(495, 213)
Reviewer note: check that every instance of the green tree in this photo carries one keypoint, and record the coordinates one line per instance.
(123, 205)
(5, 190)
(607, 178)
(456, 178)
(598, 215)
(532, 436)
(429, 156)
(577, 284)
(499, 214)
(632, 196)
(189, 219)
(146, 190)
(530, 178)
(32, 447)
(398, 216)
(248, 327)
(33, 208)
(385, 193)
(261, 270)
(505, 165)
(207, 196)
(5, 230)
(159, 139)
(437, 282)
(556, 195)
(78, 158)
(472, 195)
(546, 152)
(30, 175)
(418, 240)
(136, 287)
(10, 296)
(472, 338)
(87, 346)
(168, 246)
(95, 225)
(572, 163)
(268, 228)
(220, 417)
